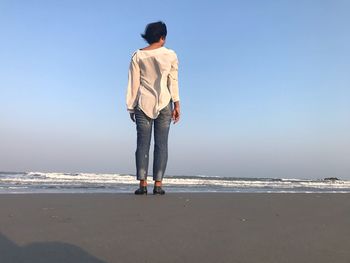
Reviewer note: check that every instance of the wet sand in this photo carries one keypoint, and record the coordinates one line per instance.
(177, 227)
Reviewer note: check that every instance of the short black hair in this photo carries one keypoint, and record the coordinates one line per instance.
(154, 31)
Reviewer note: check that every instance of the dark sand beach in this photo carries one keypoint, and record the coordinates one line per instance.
(177, 227)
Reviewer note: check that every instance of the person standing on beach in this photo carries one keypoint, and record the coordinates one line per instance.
(152, 99)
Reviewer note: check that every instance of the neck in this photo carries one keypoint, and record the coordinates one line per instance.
(156, 45)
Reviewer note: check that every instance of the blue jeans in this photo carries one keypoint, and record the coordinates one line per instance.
(144, 133)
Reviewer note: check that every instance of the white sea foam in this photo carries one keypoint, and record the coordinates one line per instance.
(75, 182)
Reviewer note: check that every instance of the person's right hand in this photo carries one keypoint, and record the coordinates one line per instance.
(132, 116)
(176, 112)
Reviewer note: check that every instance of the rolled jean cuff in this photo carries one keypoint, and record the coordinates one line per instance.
(141, 177)
(158, 177)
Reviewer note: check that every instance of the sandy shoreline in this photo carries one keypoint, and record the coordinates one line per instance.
(181, 227)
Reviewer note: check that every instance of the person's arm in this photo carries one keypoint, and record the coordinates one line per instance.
(173, 86)
(133, 86)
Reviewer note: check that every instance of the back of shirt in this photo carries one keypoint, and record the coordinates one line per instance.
(152, 80)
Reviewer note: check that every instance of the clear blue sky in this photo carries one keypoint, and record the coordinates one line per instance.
(264, 86)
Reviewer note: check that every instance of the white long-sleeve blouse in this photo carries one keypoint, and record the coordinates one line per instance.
(152, 80)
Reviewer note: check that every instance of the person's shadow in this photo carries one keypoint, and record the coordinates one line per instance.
(43, 252)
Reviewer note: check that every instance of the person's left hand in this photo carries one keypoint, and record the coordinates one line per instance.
(132, 116)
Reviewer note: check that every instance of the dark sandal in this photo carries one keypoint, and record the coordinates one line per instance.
(157, 190)
(141, 191)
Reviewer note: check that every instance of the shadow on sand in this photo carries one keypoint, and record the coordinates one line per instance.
(43, 252)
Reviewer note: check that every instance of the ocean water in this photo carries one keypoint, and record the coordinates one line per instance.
(40, 182)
